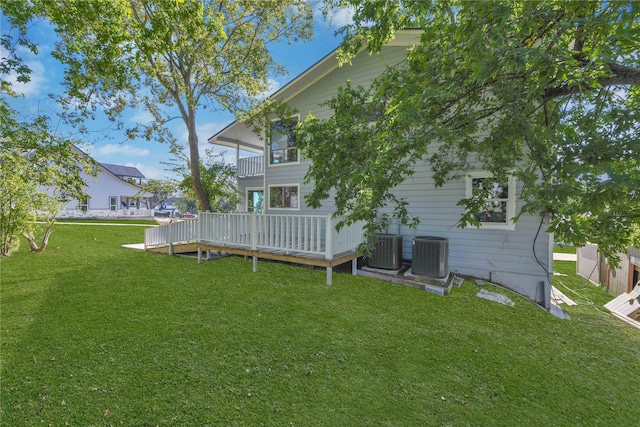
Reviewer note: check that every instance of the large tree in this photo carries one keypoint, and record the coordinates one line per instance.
(548, 90)
(170, 56)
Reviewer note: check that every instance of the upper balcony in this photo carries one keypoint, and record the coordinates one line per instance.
(250, 167)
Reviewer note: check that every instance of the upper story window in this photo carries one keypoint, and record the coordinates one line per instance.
(499, 197)
(283, 147)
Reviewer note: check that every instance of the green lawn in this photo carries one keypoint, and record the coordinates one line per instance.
(93, 334)
(564, 249)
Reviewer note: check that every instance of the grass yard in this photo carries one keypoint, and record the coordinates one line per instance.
(93, 334)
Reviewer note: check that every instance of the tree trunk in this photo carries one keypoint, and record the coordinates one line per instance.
(194, 156)
(33, 245)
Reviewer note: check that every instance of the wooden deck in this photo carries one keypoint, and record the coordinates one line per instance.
(268, 254)
(302, 239)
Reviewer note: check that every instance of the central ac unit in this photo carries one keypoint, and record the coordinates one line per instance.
(430, 256)
(387, 252)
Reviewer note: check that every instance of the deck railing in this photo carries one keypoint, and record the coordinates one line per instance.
(251, 166)
(174, 232)
(304, 234)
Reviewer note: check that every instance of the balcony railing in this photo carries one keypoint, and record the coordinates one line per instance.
(250, 166)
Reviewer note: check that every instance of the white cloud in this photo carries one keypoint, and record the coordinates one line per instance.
(120, 150)
(150, 172)
(336, 18)
(273, 86)
(204, 131)
(34, 86)
(141, 116)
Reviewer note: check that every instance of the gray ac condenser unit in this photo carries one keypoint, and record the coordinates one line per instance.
(387, 252)
(430, 256)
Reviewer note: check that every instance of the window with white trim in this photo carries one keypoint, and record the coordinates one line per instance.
(255, 200)
(500, 201)
(113, 203)
(83, 204)
(283, 147)
(284, 196)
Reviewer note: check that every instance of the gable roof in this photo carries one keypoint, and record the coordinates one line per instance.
(125, 171)
(235, 134)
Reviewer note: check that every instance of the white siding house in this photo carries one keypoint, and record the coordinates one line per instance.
(110, 196)
(517, 256)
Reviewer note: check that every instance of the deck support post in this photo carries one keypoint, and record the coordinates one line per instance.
(255, 264)
(329, 276)
(354, 266)
(199, 255)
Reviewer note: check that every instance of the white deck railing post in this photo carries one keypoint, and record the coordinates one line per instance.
(169, 237)
(254, 240)
(254, 231)
(328, 232)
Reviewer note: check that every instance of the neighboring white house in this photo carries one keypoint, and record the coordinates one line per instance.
(517, 256)
(111, 195)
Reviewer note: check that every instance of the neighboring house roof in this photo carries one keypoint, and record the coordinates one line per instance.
(236, 134)
(124, 171)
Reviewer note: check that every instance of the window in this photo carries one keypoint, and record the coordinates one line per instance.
(113, 203)
(83, 204)
(283, 147)
(283, 197)
(255, 200)
(499, 207)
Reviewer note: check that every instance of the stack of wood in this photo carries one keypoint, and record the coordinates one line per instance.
(626, 307)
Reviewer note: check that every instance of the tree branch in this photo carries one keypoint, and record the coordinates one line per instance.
(622, 75)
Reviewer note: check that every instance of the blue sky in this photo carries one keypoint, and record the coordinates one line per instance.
(107, 145)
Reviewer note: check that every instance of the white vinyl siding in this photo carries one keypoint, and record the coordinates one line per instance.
(503, 255)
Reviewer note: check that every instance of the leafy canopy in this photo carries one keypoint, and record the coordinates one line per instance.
(171, 58)
(548, 91)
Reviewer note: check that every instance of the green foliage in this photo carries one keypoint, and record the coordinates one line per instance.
(218, 182)
(101, 335)
(547, 91)
(161, 190)
(39, 170)
(170, 57)
(364, 140)
(38, 174)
